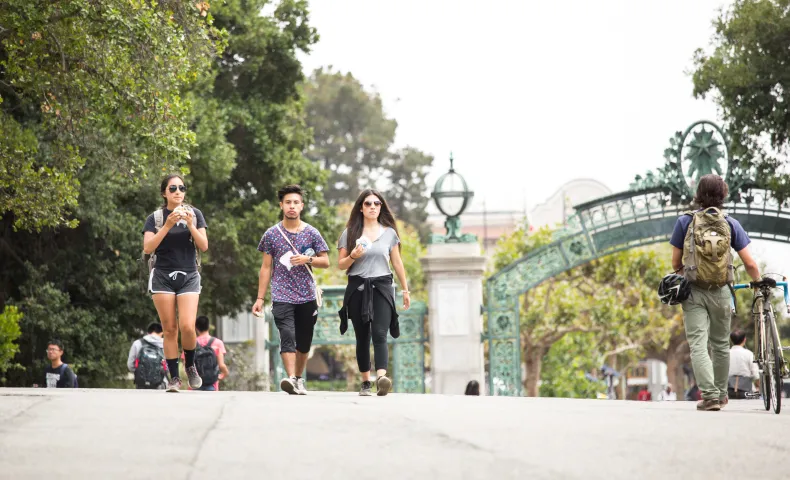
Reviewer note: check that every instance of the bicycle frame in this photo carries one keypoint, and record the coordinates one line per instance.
(762, 298)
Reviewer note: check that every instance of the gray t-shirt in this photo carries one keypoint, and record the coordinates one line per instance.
(376, 260)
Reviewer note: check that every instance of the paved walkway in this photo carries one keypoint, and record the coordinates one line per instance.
(122, 434)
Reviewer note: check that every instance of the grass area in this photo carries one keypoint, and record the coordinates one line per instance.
(328, 385)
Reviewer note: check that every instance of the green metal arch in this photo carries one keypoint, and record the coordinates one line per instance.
(599, 228)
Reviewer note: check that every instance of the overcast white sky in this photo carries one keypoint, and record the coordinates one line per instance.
(527, 94)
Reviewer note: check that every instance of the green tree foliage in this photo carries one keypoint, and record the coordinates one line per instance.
(84, 82)
(9, 333)
(746, 74)
(566, 365)
(251, 139)
(353, 140)
(245, 118)
(612, 298)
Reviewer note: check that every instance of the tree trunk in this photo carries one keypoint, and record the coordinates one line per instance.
(534, 361)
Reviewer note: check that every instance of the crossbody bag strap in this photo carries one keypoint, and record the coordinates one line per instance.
(297, 251)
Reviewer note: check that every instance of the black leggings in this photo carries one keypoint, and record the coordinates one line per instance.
(382, 316)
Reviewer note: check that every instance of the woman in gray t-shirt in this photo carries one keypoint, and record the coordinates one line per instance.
(368, 245)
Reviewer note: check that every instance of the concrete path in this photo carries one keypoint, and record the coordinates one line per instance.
(123, 434)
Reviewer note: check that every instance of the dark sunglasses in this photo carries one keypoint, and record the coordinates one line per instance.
(374, 202)
(173, 188)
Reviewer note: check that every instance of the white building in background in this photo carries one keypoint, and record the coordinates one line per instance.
(558, 207)
(491, 224)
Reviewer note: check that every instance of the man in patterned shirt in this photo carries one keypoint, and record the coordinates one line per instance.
(290, 249)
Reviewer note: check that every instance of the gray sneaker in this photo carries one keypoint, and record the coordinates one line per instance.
(174, 385)
(365, 392)
(288, 385)
(195, 381)
(300, 389)
(383, 385)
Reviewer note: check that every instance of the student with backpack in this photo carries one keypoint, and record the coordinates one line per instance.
(175, 234)
(209, 356)
(147, 360)
(58, 374)
(702, 242)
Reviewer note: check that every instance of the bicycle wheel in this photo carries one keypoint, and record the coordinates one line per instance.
(774, 363)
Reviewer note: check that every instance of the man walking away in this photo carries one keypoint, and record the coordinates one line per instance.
(147, 359)
(743, 370)
(702, 242)
(210, 356)
(58, 374)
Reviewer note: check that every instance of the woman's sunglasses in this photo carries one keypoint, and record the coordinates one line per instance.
(374, 202)
(173, 188)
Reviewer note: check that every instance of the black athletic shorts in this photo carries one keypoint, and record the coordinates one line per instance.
(295, 323)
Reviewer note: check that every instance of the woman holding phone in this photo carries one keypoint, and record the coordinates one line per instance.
(368, 245)
(173, 233)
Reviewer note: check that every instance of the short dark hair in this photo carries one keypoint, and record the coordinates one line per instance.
(155, 327)
(712, 191)
(281, 193)
(201, 324)
(472, 388)
(57, 343)
(737, 336)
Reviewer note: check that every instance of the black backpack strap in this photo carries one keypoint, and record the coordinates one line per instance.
(210, 341)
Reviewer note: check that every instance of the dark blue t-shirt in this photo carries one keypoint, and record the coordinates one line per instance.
(739, 239)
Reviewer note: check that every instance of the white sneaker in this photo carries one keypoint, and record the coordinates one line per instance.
(300, 389)
(288, 384)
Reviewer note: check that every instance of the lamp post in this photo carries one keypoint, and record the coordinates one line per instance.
(452, 195)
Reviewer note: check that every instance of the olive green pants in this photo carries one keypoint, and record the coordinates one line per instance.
(706, 315)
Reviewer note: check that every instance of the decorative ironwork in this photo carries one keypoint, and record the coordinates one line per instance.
(643, 216)
(408, 350)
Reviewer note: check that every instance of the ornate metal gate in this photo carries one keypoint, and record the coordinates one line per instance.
(644, 215)
(408, 352)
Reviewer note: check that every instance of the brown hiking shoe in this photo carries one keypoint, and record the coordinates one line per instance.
(710, 405)
(723, 401)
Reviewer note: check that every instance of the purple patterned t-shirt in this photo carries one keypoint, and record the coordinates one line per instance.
(295, 286)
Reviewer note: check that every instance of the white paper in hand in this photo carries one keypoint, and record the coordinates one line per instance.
(286, 259)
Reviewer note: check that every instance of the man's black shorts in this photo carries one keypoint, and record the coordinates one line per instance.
(295, 323)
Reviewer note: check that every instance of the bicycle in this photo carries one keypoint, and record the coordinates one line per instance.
(768, 349)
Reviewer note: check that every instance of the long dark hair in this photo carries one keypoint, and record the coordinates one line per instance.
(712, 191)
(356, 221)
(163, 187)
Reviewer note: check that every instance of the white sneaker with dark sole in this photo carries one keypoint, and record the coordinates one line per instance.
(300, 388)
(174, 385)
(383, 385)
(288, 385)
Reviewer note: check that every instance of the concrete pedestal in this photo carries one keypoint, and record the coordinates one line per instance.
(454, 275)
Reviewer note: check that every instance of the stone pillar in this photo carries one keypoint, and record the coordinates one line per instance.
(454, 276)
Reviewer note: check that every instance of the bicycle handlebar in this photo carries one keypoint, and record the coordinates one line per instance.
(741, 286)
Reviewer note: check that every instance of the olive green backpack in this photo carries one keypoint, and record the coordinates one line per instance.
(707, 254)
